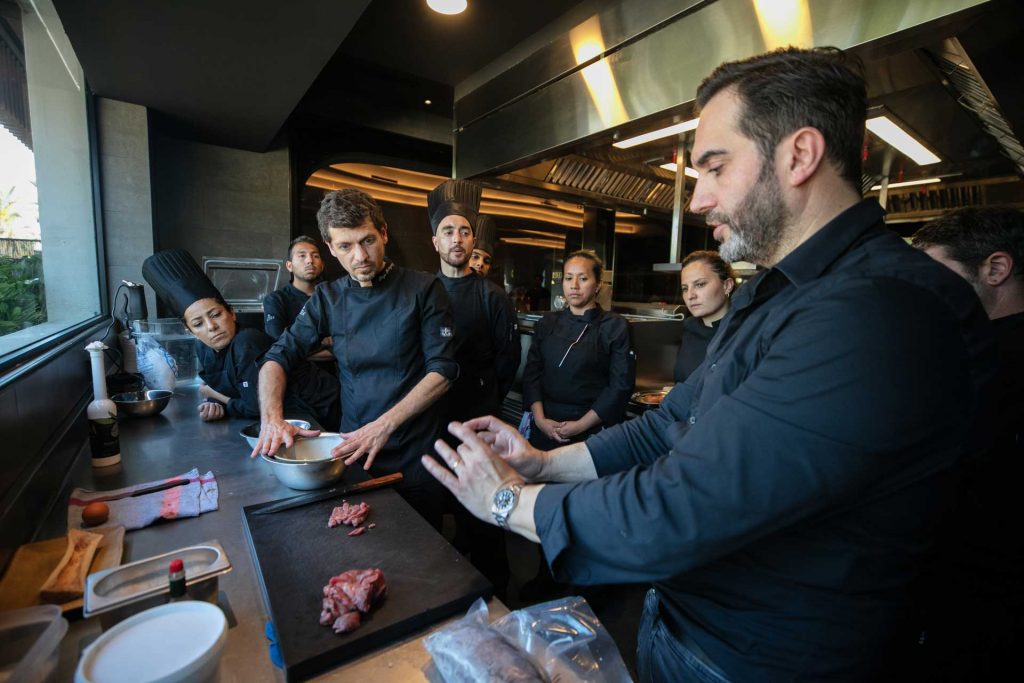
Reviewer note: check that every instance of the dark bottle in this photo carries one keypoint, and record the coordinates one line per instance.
(177, 581)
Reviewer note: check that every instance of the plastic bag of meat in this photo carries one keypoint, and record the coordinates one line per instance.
(468, 651)
(565, 641)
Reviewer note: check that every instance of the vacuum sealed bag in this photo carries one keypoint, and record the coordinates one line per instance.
(557, 642)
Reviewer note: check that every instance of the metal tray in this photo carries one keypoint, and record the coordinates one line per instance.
(117, 593)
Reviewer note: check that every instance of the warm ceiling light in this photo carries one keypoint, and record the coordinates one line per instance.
(427, 102)
(657, 134)
(447, 6)
(908, 183)
(671, 166)
(888, 130)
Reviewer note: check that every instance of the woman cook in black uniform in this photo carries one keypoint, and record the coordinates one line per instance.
(581, 367)
(228, 354)
(707, 283)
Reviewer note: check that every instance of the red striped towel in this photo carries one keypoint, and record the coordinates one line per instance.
(133, 508)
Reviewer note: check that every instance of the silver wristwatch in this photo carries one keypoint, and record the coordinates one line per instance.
(505, 500)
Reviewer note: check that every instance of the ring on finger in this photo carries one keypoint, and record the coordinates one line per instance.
(455, 465)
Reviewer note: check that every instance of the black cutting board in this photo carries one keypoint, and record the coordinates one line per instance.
(296, 554)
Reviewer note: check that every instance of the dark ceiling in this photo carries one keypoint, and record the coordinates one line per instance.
(230, 71)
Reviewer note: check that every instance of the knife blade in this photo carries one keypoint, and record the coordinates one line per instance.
(308, 498)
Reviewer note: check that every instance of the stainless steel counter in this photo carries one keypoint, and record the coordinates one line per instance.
(170, 444)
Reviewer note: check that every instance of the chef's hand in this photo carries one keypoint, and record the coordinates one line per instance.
(275, 434)
(550, 428)
(368, 440)
(569, 428)
(474, 473)
(327, 341)
(210, 411)
(510, 445)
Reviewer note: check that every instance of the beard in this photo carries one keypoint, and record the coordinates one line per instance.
(757, 225)
(456, 260)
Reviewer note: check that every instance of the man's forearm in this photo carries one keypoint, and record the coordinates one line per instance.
(569, 463)
(422, 396)
(521, 519)
(273, 381)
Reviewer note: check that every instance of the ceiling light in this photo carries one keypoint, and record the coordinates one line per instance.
(447, 6)
(908, 183)
(657, 134)
(671, 166)
(885, 128)
(427, 102)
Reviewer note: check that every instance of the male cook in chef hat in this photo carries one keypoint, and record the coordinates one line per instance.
(484, 250)
(453, 198)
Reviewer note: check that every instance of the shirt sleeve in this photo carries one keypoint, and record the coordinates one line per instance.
(436, 327)
(303, 337)
(273, 315)
(820, 422)
(247, 350)
(507, 345)
(533, 373)
(610, 404)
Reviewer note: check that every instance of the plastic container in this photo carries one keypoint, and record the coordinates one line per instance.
(28, 644)
(182, 641)
(174, 338)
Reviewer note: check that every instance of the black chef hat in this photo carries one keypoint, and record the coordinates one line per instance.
(486, 234)
(453, 198)
(177, 279)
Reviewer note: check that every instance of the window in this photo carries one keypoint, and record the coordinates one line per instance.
(49, 277)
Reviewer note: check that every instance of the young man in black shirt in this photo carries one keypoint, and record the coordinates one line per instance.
(782, 499)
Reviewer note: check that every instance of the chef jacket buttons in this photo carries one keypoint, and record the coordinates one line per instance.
(692, 420)
(713, 366)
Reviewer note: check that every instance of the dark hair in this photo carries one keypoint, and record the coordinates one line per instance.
(301, 239)
(971, 235)
(790, 88)
(347, 209)
(722, 269)
(596, 263)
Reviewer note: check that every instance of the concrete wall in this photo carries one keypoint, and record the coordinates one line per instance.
(123, 133)
(217, 201)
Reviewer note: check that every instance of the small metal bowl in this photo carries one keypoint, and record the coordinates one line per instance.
(251, 433)
(142, 403)
(306, 475)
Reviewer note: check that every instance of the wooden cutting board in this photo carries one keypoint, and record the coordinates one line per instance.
(295, 554)
(33, 562)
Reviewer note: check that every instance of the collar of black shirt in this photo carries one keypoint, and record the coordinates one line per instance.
(378, 279)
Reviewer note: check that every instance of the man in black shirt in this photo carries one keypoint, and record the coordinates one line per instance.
(782, 498)
(392, 331)
(282, 306)
(974, 608)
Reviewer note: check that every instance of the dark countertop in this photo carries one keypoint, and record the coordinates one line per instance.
(175, 442)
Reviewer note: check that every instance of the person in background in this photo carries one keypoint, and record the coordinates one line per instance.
(487, 349)
(392, 330)
(484, 246)
(974, 607)
(707, 282)
(581, 367)
(783, 499)
(229, 354)
(538, 296)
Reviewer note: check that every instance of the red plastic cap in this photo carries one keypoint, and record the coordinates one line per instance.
(177, 566)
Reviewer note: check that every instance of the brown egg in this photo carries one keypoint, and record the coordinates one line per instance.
(95, 513)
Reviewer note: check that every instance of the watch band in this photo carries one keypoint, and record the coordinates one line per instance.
(501, 516)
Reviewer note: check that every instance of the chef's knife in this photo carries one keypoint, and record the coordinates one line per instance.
(307, 498)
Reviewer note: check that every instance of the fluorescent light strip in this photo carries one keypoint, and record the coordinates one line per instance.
(888, 130)
(671, 166)
(908, 183)
(657, 134)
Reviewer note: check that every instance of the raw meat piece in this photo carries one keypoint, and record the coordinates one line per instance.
(353, 515)
(357, 531)
(348, 594)
(466, 652)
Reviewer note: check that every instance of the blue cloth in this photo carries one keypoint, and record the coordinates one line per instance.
(781, 499)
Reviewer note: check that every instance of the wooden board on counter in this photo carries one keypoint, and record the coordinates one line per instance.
(296, 554)
(33, 562)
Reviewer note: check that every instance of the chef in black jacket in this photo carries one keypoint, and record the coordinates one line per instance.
(392, 331)
(581, 366)
(485, 245)
(707, 282)
(229, 354)
(487, 348)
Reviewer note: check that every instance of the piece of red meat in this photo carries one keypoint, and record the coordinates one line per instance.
(348, 594)
(347, 513)
(357, 531)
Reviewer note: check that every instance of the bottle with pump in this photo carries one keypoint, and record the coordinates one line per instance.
(102, 414)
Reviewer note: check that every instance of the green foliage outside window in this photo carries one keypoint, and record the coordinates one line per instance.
(22, 297)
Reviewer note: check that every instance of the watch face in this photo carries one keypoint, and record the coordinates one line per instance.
(504, 498)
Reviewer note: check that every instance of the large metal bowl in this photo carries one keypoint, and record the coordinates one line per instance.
(306, 475)
(142, 403)
(251, 433)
